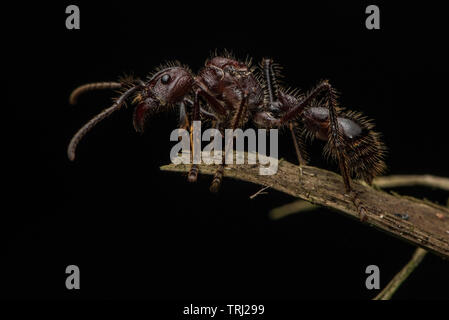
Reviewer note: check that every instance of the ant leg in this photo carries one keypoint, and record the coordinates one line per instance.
(212, 101)
(218, 176)
(184, 118)
(335, 135)
(270, 75)
(335, 138)
(358, 204)
(336, 145)
(208, 115)
(90, 87)
(193, 172)
(184, 122)
(271, 81)
(298, 143)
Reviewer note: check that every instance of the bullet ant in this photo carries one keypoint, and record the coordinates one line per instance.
(232, 93)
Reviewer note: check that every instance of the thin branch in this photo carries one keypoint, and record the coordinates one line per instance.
(416, 260)
(261, 191)
(381, 182)
(412, 180)
(291, 208)
(399, 278)
(427, 225)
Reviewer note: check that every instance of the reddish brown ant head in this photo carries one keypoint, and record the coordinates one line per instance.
(167, 87)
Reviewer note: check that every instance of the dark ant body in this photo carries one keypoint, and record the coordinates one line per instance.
(231, 93)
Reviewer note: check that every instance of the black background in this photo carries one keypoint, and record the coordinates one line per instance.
(136, 232)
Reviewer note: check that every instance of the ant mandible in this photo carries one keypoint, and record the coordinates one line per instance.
(235, 92)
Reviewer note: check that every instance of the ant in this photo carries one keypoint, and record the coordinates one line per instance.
(232, 93)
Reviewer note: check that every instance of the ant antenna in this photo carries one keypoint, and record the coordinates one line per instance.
(92, 122)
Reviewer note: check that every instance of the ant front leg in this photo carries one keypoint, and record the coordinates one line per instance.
(184, 122)
(193, 172)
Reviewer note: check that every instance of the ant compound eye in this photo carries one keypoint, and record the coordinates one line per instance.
(165, 79)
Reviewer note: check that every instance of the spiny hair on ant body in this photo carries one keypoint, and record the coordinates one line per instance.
(362, 145)
(231, 93)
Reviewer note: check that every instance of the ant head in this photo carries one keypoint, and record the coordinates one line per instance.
(165, 88)
(169, 85)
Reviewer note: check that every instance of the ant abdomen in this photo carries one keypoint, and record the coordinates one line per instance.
(365, 151)
(362, 146)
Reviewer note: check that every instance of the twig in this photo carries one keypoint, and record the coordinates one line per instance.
(399, 278)
(290, 208)
(412, 180)
(381, 182)
(427, 225)
(261, 191)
